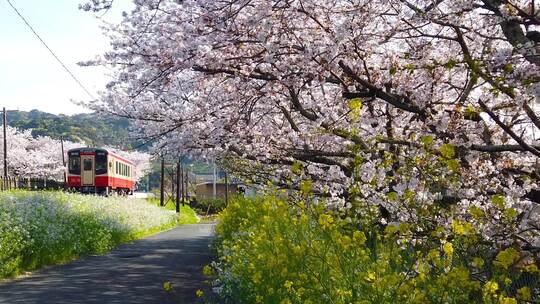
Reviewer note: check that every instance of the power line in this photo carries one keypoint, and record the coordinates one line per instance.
(52, 53)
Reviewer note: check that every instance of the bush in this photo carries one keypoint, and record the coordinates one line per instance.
(39, 228)
(272, 252)
(209, 206)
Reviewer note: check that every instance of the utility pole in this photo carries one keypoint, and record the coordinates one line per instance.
(178, 181)
(187, 183)
(162, 184)
(5, 143)
(182, 182)
(173, 184)
(226, 189)
(63, 159)
(214, 181)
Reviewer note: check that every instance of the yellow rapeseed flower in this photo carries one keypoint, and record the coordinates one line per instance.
(167, 286)
(207, 270)
(506, 300)
(370, 277)
(524, 293)
(325, 221)
(458, 228)
(199, 293)
(288, 285)
(462, 228)
(491, 287)
(448, 249)
(532, 268)
(359, 237)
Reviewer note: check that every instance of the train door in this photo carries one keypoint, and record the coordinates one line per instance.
(87, 172)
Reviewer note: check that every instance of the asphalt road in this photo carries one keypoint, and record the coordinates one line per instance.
(132, 273)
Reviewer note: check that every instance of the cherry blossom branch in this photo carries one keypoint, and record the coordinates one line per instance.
(508, 130)
(397, 101)
(511, 29)
(474, 147)
(530, 112)
(289, 119)
(213, 71)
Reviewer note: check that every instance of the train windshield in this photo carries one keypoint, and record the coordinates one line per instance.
(74, 165)
(101, 163)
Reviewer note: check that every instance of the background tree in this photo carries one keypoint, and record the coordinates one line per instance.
(41, 157)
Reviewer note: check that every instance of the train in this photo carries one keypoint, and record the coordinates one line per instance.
(99, 171)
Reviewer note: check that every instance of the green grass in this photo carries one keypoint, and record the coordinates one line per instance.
(186, 216)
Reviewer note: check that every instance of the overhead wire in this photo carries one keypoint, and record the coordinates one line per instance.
(51, 51)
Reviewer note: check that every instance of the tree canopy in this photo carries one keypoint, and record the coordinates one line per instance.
(405, 108)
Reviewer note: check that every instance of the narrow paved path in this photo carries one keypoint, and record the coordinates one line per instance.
(132, 273)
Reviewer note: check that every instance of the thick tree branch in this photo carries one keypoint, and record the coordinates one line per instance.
(401, 102)
(214, 71)
(512, 30)
(530, 112)
(508, 130)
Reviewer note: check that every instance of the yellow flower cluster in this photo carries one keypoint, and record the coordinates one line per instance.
(273, 252)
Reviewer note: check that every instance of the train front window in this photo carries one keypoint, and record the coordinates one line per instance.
(87, 164)
(101, 164)
(74, 165)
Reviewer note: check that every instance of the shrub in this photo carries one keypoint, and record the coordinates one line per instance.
(209, 206)
(38, 228)
(273, 252)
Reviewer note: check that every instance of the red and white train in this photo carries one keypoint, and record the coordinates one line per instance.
(94, 170)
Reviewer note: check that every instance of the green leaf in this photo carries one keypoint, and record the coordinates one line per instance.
(453, 165)
(427, 140)
(476, 212)
(471, 113)
(392, 196)
(506, 258)
(508, 68)
(409, 194)
(297, 168)
(306, 187)
(393, 70)
(450, 64)
(447, 151)
(498, 200)
(409, 67)
(510, 213)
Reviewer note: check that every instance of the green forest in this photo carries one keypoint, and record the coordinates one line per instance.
(95, 129)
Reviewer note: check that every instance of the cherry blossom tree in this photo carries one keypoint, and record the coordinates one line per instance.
(424, 111)
(41, 157)
(30, 157)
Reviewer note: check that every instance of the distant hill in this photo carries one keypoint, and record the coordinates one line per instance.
(94, 129)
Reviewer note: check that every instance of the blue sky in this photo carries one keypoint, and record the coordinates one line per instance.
(30, 77)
